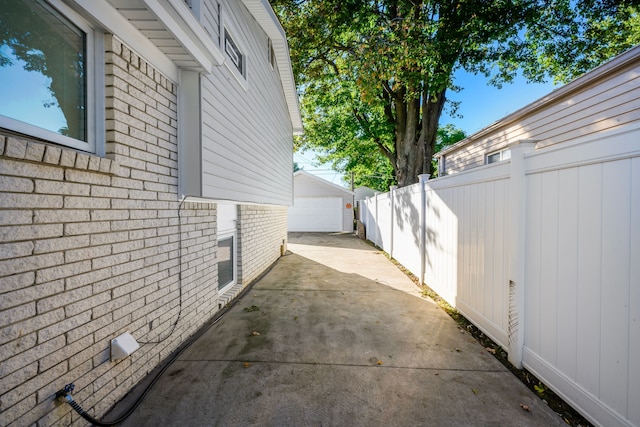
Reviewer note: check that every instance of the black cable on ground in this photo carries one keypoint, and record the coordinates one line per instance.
(65, 393)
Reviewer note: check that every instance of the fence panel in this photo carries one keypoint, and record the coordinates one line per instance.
(384, 221)
(558, 232)
(368, 217)
(466, 246)
(582, 299)
(406, 227)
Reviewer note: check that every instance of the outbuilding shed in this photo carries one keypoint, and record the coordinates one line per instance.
(319, 205)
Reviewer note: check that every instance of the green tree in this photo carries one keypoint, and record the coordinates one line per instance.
(374, 75)
(446, 135)
(47, 44)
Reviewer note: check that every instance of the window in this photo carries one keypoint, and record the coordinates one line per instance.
(498, 156)
(272, 55)
(195, 6)
(46, 69)
(227, 215)
(232, 51)
(226, 262)
(441, 165)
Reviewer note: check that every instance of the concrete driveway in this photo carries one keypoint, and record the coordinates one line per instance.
(336, 335)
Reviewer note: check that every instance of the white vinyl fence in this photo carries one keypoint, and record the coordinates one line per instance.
(542, 253)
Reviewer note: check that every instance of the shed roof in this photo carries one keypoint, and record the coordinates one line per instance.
(363, 192)
(318, 182)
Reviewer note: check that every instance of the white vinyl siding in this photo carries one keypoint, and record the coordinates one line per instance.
(246, 134)
(210, 19)
(608, 102)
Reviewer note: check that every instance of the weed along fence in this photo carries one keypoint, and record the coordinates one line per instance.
(542, 253)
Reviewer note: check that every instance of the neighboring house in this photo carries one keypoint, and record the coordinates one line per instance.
(319, 205)
(600, 101)
(145, 173)
(362, 193)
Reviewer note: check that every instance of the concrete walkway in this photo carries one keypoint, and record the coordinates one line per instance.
(336, 335)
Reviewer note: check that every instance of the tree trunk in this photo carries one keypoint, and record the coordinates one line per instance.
(431, 112)
(416, 130)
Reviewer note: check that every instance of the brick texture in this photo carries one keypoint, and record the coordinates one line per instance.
(261, 235)
(93, 247)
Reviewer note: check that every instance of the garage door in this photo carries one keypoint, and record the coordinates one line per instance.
(316, 214)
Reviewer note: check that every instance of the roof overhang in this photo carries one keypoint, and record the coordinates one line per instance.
(168, 24)
(267, 19)
(172, 28)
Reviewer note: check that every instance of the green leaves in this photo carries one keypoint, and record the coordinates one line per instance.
(373, 75)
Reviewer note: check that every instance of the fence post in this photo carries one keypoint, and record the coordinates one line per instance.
(423, 178)
(517, 247)
(376, 220)
(392, 196)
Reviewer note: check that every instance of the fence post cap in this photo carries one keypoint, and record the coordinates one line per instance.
(527, 144)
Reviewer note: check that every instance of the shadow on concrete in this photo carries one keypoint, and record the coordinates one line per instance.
(312, 345)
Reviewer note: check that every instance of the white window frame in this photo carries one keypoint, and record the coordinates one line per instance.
(240, 74)
(226, 220)
(271, 55)
(223, 236)
(503, 154)
(95, 93)
(227, 27)
(233, 52)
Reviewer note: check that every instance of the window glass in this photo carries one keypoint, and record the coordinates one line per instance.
(492, 158)
(225, 262)
(499, 156)
(43, 68)
(272, 55)
(233, 52)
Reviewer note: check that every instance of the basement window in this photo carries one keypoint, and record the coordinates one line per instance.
(226, 262)
(227, 216)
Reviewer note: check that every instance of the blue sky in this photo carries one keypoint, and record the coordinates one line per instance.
(24, 94)
(480, 106)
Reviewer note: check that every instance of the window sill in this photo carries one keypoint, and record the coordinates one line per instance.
(33, 151)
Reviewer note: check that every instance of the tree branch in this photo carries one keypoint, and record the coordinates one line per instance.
(364, 123)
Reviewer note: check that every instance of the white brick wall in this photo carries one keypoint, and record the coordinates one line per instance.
(90, 247)
(262, 231)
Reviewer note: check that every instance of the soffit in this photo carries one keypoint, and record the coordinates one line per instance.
(170, 25)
